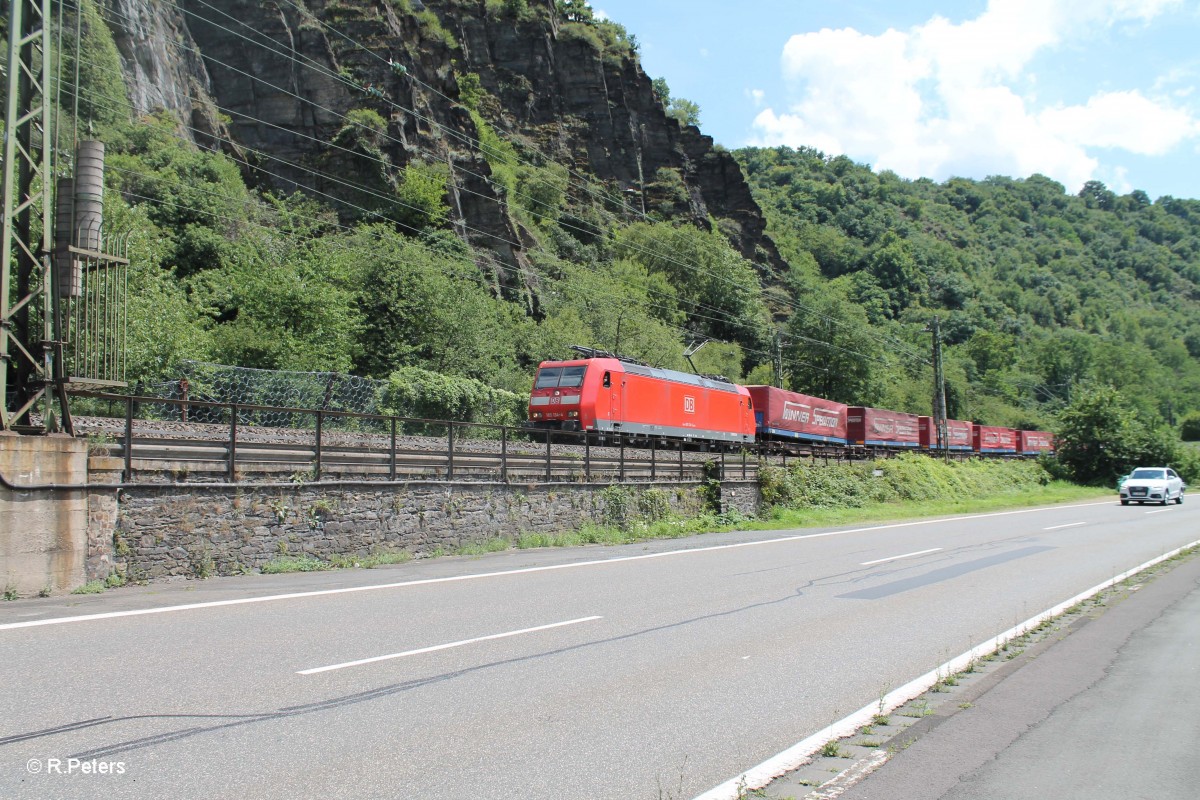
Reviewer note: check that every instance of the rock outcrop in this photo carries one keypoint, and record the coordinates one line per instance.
(272, 83)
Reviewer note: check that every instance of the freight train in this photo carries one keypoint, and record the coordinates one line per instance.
(604, 393)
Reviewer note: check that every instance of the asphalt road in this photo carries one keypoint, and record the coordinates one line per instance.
(647, 671)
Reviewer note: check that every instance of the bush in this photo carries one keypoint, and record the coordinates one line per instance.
(1189, 430)
(414, 392)
(906, 477)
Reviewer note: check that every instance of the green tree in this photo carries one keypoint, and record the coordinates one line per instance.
(684, 111)
(575, 10)
(1102, 436)
(832, 352)
(713, 285)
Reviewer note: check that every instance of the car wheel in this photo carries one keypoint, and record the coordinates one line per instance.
(1179, 500)
(1124, 502)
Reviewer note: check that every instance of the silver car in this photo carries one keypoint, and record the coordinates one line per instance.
(1152, 485)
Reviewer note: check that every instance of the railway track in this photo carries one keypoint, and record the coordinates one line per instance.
(159, 451)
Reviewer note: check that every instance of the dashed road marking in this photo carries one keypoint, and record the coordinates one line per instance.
(446, 646)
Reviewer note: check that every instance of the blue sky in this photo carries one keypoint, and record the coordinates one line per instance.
(1074, 89)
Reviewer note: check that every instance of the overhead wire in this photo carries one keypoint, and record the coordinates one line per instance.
(515, 270)
(478, 144)
(394, 200)
(464, 258)
(687, 301)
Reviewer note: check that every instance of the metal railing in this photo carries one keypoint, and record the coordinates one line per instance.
(327, 446)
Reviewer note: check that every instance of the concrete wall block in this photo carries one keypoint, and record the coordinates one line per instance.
(44, 544)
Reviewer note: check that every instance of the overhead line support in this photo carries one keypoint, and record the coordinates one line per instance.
(27, 355)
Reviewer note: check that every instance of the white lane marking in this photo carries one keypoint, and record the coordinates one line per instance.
(1161, 510)
(897, 558)
(523, 571)
(1068, 525)
(447, 646)
(799, 753)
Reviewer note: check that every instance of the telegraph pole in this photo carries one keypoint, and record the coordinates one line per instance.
(777, 359)
(939, 386)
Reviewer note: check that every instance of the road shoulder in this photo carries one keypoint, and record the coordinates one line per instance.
(1105, 703)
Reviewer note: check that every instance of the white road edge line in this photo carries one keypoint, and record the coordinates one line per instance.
(799, 753)
(523, 571)
(448, 646)
(1068, 525)
(897, 558)
(1159, 511)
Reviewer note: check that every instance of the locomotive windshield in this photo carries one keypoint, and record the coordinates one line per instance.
(564, 377)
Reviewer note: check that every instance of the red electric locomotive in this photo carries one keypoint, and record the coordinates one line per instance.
(958, 434)
(602, 392)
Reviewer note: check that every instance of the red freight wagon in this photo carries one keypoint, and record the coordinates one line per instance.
(611, 394)
(958, 434)
(1030, 443)
(989, 439)
(788, 415)
(881, 428)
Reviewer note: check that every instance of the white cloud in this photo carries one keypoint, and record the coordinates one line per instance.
(756, 96)
(945, 99)
(1124, 120)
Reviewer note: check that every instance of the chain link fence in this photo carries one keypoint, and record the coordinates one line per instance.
(280, 389)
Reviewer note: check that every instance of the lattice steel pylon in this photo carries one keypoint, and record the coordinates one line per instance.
(28, 302)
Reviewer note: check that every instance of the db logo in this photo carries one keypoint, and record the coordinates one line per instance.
(689, 404)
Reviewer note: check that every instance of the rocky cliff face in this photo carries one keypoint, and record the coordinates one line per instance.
(273, 81)
(163, 67)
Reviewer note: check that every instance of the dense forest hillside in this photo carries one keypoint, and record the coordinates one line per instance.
(1039, 292)
(470, 186)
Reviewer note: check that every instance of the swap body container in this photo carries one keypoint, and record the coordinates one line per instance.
(990, 439)
(958, 434)
(1031, 443)
(880, 427)
(780, 414)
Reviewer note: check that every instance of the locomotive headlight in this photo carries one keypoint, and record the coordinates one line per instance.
(537, 415)
(572, 413)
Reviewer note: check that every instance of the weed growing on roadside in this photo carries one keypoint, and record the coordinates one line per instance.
(831, 749)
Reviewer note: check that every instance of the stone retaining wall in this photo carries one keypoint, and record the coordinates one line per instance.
(159, 531)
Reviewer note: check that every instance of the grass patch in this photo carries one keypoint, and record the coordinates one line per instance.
(369, 561)
(831, 749)
(1055, 492)
(282, 564)
(91, 587)
(493, 545)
